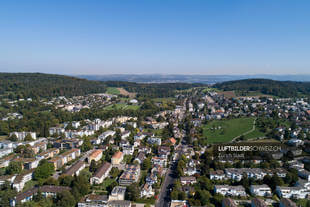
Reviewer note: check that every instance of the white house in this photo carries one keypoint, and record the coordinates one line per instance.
(147, 191)
(217, 175)
(154, 140)
(101, 173)
(4, 152)
(227, 190)
(260, 190)
(292, 192)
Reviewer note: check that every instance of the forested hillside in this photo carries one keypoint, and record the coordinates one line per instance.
(30, 85)
(25, 85)
(269, 87)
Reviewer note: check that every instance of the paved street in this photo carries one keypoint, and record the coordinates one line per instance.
(164, 196)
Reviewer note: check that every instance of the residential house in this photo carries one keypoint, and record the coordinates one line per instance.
(217, 175)
(260, 190)
(147, 191)
(227, 190)
(106, 134)
(101, 173)
(140, 158)
(6, 151)
(75, 169)
(21, 180)
(125, 134)
(188, 180)
(305, 174)
(93, 200)
(95, 155)
(128, 150)
(228, 202)
(292, 192)
(117, 158)
(118, 193)
(154, 141)
(130, 175)
(285, 202)
(256, 202)
(46, 190)
(50, 153)
(159, 161)
(7, 178)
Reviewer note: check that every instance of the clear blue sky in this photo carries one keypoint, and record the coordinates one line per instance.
(152, 36)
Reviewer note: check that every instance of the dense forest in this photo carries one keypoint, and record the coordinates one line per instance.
(270, 87)
(31, 85)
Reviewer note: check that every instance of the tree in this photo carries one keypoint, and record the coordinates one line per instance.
(14, 168)
(114, 172)
(65, 180)
(275, 181)
(64, 199)
(93, 166)
(44, 170)
(80, 186)
(132, 192)
(28, 138)
(146, 165)
(13, 138)
(86, 146)
(6, 194)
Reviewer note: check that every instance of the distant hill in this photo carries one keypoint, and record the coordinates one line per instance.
(25, 85)
(177, 78)
(268, 87)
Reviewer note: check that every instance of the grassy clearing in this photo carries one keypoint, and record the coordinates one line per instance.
(122, 106)
(162, 100)
(255, 134)
(112, 90)
(225, 130)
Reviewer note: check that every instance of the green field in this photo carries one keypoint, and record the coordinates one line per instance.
(226, 130)
(255, 134)
(112, 90)
(122, 106)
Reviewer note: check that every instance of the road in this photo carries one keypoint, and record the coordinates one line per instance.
(164, 196)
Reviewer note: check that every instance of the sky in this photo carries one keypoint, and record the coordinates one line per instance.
(155, 36)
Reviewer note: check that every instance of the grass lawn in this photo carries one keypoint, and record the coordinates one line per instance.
(225, 130)
(162, 100)
(103, 186)
(122, 106)
(255, 134)
(112, 90)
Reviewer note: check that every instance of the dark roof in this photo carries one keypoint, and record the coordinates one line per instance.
(287, 202)
(258, 202)
(227, 202)
(74, 168)
(102, 170)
